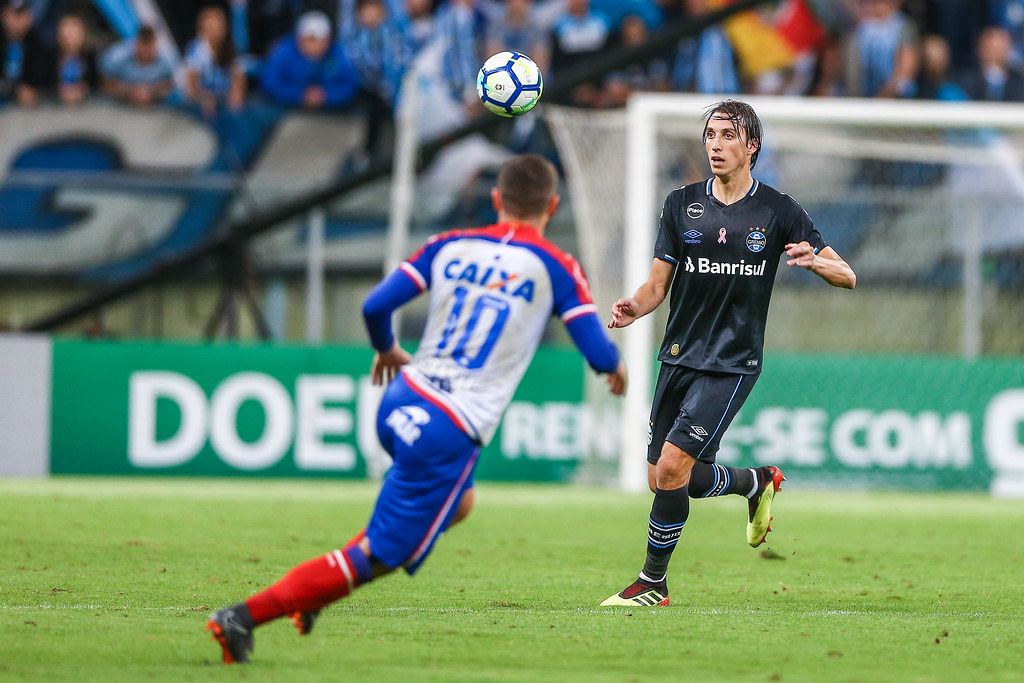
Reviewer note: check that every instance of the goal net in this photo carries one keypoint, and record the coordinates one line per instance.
(925, 198)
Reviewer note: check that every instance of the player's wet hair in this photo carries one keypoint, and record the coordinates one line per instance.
(742, 116)
(527, 183)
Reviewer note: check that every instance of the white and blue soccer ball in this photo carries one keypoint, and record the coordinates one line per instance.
(509, 84)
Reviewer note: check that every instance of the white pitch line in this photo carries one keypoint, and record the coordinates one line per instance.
(526, 610)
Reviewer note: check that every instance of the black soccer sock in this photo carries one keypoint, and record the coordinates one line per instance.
(668, 515)
(708, 479)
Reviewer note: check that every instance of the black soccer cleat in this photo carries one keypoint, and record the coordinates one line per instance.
(640, 594)
(232, 628)
(303, 621)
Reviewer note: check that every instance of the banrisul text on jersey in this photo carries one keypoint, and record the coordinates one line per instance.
(726, 259)
(706, 265)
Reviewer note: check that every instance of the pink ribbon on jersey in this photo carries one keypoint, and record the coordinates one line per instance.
(721, 235)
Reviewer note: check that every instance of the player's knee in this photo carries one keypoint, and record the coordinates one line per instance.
(674, 467)
(465, 507)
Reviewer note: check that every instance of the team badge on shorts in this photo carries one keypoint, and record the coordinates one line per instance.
(695, 210)
(756, 241)
(406, 422)
(674, 350)
(650, 433)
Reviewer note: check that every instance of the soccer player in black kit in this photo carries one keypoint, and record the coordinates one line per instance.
(719, 246)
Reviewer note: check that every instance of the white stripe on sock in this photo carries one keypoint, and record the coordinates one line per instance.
(647, 579)
(753, 491)
(345, 569)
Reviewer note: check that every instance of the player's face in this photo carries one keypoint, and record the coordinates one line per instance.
(726, 146)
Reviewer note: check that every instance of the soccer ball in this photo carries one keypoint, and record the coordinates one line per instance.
(509, 84)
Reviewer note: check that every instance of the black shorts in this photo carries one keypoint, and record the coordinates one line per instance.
(693, 408)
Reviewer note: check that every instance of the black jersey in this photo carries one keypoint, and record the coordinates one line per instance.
(726, 258)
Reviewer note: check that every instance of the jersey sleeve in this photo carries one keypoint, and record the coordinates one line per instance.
(412, 277)
(589, 336)
(799, 227)
(390, 293)
(666, 247)
(570, 289)
(418, 266)
(574, 304)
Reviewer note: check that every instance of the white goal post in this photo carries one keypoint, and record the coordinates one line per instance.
(951, 167)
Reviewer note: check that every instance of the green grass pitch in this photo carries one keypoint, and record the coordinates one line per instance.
(113, 580)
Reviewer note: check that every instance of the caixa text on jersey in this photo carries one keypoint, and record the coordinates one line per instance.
(491, 277)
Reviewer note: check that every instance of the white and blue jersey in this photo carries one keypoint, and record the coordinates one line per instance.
(492, 291)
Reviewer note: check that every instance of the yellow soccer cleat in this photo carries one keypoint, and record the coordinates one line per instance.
(640, 594)
(760, 506)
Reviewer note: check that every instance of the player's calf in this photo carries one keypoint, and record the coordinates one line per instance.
(303, 591)
(709, 479)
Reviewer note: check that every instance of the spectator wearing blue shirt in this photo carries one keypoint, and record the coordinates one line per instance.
(881, 58)
(577, 36)
(135, 71)
(994, 78)
(77, 74)
(517, 31)
(307, 70)
(706, 63)
(461, 27)
(1009, 14)
(26, 64)
(213, 76)
(419, 18)
(377, 45)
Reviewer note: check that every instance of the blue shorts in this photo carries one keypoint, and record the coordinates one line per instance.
(432, 469)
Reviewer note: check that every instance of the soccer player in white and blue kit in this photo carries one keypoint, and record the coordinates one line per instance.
(492, 291)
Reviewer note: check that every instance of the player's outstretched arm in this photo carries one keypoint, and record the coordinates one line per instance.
(647, 298)
(826, 264)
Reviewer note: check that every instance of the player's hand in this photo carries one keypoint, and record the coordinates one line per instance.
(800, 254)
(386, 364)
(624, 312)
(618, 380)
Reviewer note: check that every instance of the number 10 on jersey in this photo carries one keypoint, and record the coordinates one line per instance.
(486, 309)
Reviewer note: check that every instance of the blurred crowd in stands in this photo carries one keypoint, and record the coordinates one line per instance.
(353, 54)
